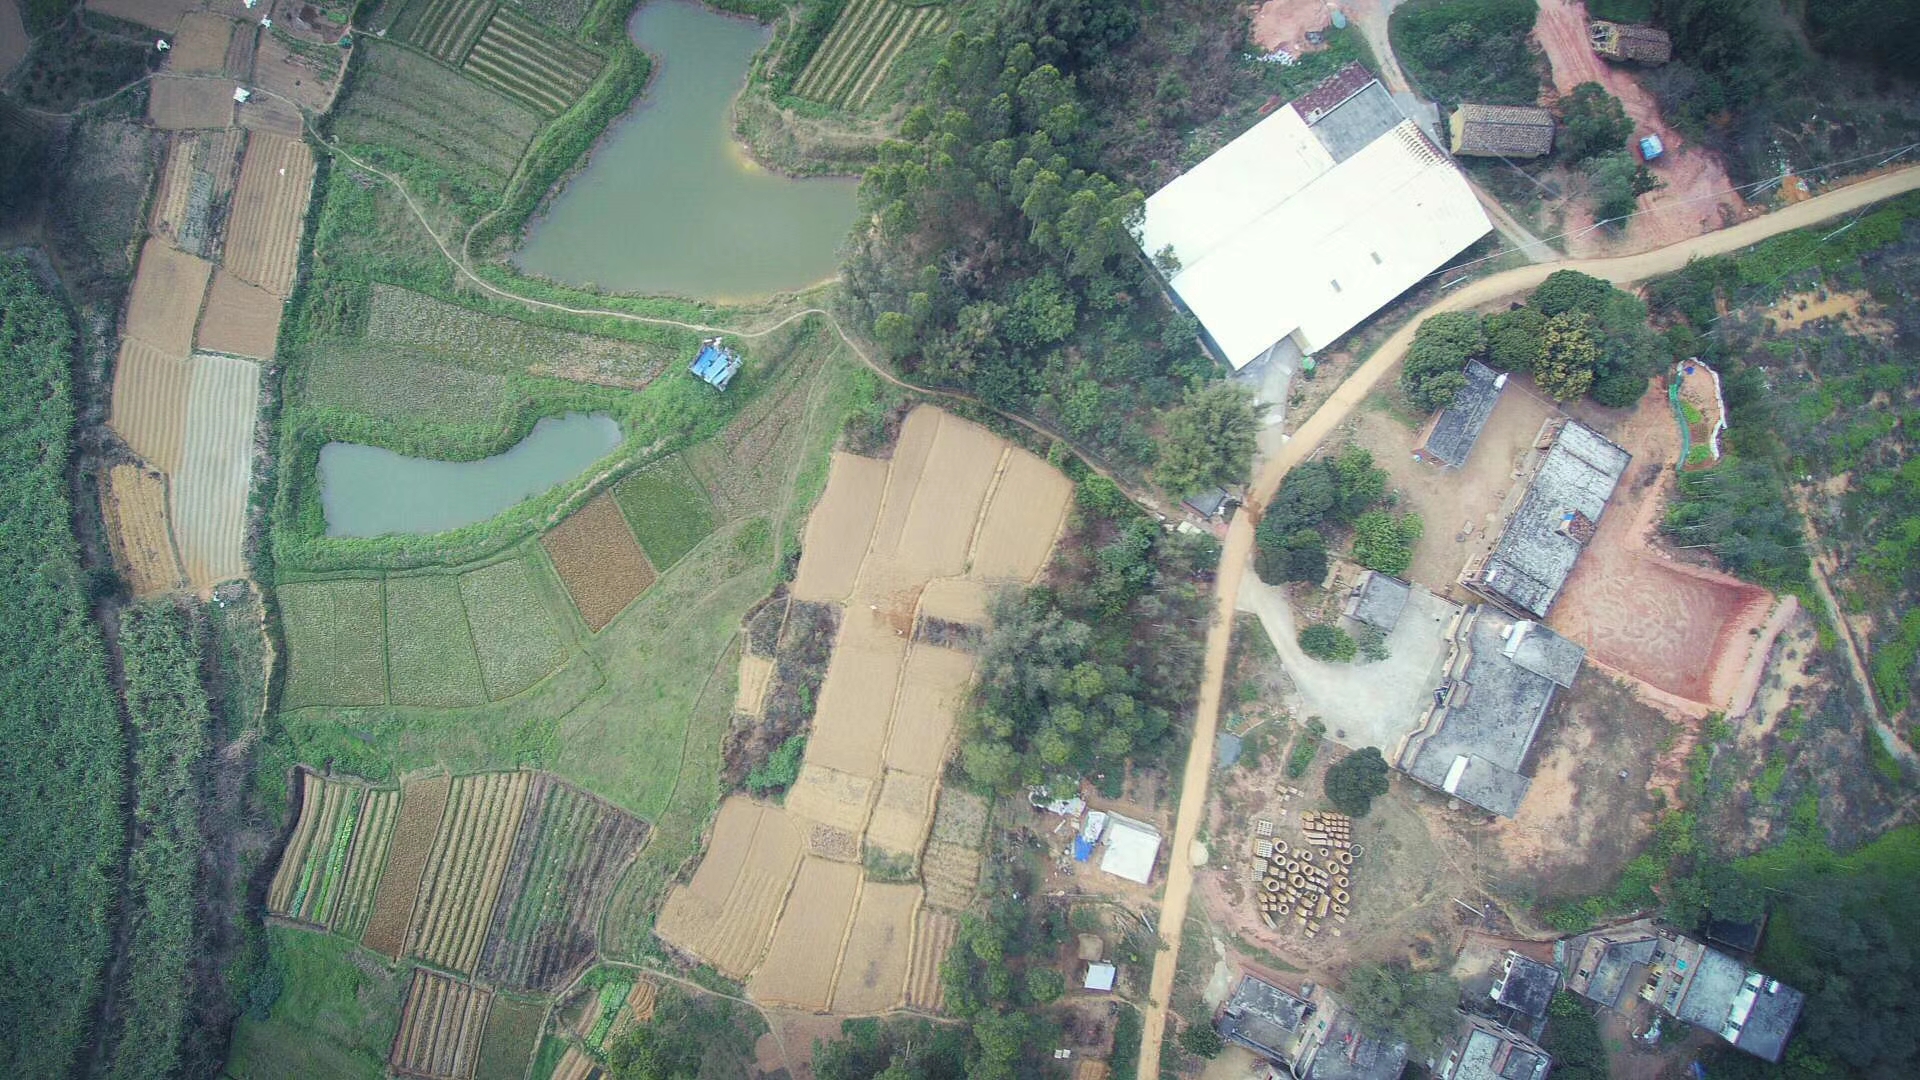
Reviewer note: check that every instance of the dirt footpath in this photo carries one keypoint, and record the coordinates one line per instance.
(1694, 196)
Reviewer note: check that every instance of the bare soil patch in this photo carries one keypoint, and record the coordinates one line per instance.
(837, 533)
(134, 503)
(873, 972)
(165, 303)
(188, 104)
(309, 82)
(1024, 517)
(1283, 24)
(599, 561)
(1855, 311)
(805, 953)
(200, 45)
(241, 319)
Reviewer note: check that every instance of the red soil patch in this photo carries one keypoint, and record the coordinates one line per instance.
(1283, 24)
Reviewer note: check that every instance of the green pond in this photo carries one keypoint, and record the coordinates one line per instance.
(669, 203)
(372, 491)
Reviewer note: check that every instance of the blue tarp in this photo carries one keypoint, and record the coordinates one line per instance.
(1082, 850)
(715, 365)
(1651, 147)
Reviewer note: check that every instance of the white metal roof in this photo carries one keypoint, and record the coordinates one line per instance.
(1100, 976)
(1131, 849)
(1276, 238)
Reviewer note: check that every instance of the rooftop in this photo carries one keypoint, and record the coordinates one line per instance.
(1359, 202)
(1475, 739)
(1557, 515)
(1378, 601)
(1501, 131)
(1494, 1053)
(1600, 963)
(1622, 41)
(1347, 1053)
(1263, 1017)
(1527, 986)
(1741, 1005)
(1132, 846)
(1100, 976)
(1457, 427)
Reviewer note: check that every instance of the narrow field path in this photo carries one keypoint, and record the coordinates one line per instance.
(1239, 546)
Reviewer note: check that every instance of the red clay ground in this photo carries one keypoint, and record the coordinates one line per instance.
(1283, 24)
(1694, 198)
(1685, 631)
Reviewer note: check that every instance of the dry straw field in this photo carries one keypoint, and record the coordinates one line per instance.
(804, 955)
(200, 45)
(241, 319)
(165, 302)
(134, 504)
(440, 1027)
(263, 235)
(726, 913)
(150, 403)
(933, 934)
(599, 560)
(216, 467)
(422, 804)
(179, 103)
(873, 972)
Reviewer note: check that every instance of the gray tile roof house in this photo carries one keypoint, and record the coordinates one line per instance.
(1623, 41)
(1264, 1018)
(1377, 601)
(1499, 681)
(1453, 430)
(1491, 1052)
(1500, 131)
(1742, 1006)
(1555, 519)
(1526, 985)
(1601, 965)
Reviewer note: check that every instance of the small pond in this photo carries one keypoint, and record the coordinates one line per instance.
(372, 491)
(670, 203)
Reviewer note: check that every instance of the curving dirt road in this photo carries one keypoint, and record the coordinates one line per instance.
(1239, 544)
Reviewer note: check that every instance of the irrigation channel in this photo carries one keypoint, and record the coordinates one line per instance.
(670, 203)
(372, 491)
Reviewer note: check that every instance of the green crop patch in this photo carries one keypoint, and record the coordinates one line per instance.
(507, 1044)
(667, 509)
(443, 29)
(399, 385)
(513, 629)
(483, 342)
(336, 643)
(861, 48)
(430, 653)
(540, 70)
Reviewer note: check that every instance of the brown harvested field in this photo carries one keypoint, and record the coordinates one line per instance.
(902, 814)
(190, 104)
(599, 561)
(831, 797)
(216, 468)
(800, 964)
(165, 303)
(910, 451)
(932, 690)
(574, 1065)
(873, 969)
(241, 319)
(933, 934)
(956, 600)
(372, 836)
(268, 116)
(470, 856)
(856, 700)
(840, 528)
(200, 45)
(269, 204)
(726, 913)
(134, 502)
(159, 14)
(938, 529)
(280, 892)
(440, 1027)
(190, 202)
(1024, 515)
(307, 81)
(951, 873)
(733, 834)
(422, 804)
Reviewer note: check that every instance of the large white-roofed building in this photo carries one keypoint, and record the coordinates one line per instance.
(1295, 232)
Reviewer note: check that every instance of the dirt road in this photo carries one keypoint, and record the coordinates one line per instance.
(1239, 544)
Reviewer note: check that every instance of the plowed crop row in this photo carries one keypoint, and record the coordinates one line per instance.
(463, 879)
(422, 804)
(312, 806)
(862, 46)
(263, 238)
(570, 849)
(440, 1027)
(519, 58)
(934, 933)
(150, 403)
(951, 873)
(210, 490)
(445, 29)
(371, 839)
(134, 503)
(326, 856)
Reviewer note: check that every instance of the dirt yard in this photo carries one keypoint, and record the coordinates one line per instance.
(1461, 507)
(1686, 631)
(1694, 196)
(1283, 24)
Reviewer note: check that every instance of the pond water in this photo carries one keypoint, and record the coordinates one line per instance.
(372, 491)
(670, 203)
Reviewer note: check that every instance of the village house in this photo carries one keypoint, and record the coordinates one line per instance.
(1526, 985)
(1450, 434)
(1639, 44)
(1565, 496)
(1487, 1051)
(1510, 131)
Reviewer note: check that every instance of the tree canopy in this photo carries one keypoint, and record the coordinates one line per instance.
(1210, 439)
(1592, 122)
(1356, 780)
(1395, 1002)
(1441, 347)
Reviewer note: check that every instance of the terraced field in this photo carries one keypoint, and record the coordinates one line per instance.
(269, 204)
(513, 630)
(368, 857)
(240, 320)
(521, 59)
(134, 504)
(443, 29)
(430, 655)
(464, 874)
(165, 304)
(512, 1031)
(933, 934)
(570, 849)
(861, 48)
(216, 466)
(422, 804)
(401, 99)
(440, 1027)
(190, 202)
(336, 643)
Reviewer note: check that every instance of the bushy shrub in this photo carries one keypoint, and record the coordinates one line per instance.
(1327, 642)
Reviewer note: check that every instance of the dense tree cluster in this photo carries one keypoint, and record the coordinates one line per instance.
(1394, 1001)
(1356, 780)
(1573, 1039)
(1576, 335)
(1592, 122)
(1327, 643)
(1210, 439)
(1318, 496)
(1470, 50)
(689, 1037)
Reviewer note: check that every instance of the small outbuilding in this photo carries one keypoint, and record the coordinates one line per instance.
(1377, 601)
(1132, 848)
(1526, 985)
(1453, 431)
(1101, 976)
(716, 365)
(1510, 131)
(1638, 44)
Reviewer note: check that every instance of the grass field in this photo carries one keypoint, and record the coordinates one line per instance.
(667, 509)
(484, 342)
(514, 631)
(430, 652)
(399, 384)
(335, 1016)
(336, 643)
(519, 58)
(513, 1027)
(861, 48)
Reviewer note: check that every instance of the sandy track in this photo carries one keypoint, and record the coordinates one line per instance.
(216, 466)
(1239, 545)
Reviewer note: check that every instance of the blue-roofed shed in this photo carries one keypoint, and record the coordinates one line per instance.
(716, 365)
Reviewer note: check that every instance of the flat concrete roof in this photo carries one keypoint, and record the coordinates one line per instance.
(1732, 1000)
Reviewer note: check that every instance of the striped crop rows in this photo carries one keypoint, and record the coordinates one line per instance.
(263, 235)
(865, 40)
(524, 61)
(150, 403)
(457, 896)
(216, 466)
(444, 29)
(440, 1027)
(329, 869)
